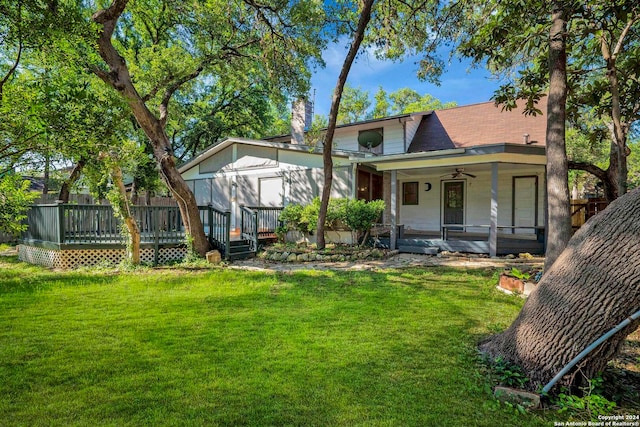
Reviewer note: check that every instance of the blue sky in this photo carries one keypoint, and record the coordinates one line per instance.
(460, 83)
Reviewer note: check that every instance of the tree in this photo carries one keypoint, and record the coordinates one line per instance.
(401, 98)
(183, 41)
(605, 82)
(354, 105)
(558, 202)
(426, 102)
(229, 106)
(529, 40)
(381, 107)
(559, 319)
(398, 27)
(604, 51)
(586, 291)
(358, 36)
(404, 101)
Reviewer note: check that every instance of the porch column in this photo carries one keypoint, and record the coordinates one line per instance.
(393, 237)
(493, 227)
(354, 181)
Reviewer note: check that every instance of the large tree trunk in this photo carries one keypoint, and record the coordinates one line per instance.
(65, 189)
(558, 201)
(120, 79)
(592, 287)
(358, 36)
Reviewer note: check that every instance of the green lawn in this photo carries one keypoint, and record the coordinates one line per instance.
(228, 347)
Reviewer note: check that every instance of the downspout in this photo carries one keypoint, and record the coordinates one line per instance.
(404, 135)
(589, 349)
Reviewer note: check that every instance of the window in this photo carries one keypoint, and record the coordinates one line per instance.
(369, 185)
(409, 193)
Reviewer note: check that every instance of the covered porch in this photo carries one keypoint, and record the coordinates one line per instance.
(488, 200)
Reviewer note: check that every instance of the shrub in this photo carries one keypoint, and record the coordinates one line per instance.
(357, 215)
(15, 199)
(361, 215)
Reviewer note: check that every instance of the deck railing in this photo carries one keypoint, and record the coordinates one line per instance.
(249, 226)
(71, 224)
(44, 224)
(267, 219)
(97, 224)
(217, 227)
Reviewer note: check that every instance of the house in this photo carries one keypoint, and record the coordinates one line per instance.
(469, 178)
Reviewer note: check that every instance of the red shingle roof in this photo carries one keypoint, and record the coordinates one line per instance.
(479, 124)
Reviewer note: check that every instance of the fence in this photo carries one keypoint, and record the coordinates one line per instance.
(583, 209)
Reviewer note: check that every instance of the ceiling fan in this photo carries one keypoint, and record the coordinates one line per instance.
(458, 173)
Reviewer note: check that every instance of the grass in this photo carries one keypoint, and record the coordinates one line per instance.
(228, 347)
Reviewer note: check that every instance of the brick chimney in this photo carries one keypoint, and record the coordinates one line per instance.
(301, 116)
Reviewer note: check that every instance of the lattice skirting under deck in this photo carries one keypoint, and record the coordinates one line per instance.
(72, 258)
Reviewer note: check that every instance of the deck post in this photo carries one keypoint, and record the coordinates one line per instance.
(393, 237)
(60, 222)
(227, 232)
(156, 237)
(493, 228)
(210, 221)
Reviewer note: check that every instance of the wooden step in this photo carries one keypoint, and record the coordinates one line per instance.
(235, 256)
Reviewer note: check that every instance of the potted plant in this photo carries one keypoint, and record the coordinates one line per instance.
(513, 280)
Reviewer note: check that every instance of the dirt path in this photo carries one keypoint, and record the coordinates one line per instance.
(393, 262)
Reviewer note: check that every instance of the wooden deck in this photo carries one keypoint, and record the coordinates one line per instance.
(70, 226)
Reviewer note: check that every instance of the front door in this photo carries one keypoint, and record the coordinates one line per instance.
(453, 202)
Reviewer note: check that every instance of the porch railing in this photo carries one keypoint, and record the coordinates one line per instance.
(446, 228)
(249, 226)
(217, 227)
(258, 222)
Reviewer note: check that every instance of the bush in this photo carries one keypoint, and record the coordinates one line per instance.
(361, 215)
(357, 215)
(301, 218)
(15, 199)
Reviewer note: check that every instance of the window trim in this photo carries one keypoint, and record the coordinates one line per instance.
(414, 200)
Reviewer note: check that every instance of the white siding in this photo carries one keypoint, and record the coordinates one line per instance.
(393, 138)
(393, 133)
(426, 216)
(346, 139)
(301, 173)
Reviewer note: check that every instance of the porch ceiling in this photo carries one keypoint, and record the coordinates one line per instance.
(474, 169)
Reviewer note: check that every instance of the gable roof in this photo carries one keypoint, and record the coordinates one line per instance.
(227, 142)
(479, 124)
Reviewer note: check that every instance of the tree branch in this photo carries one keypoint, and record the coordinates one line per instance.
(164, 104)
(624, 33)
(588, 167)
